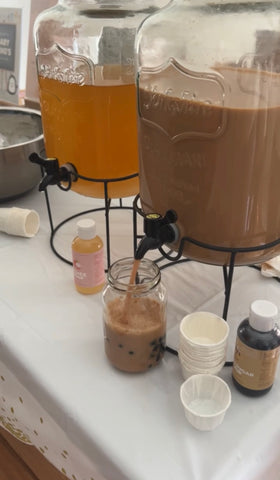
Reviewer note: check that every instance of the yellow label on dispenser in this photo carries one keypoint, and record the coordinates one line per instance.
(153, 216)
(252, 368)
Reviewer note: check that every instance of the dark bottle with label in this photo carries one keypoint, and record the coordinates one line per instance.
(257, 350)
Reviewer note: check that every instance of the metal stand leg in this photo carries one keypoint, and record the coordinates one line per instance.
(228, 276)
(107, 209)
(135, 234)
(107, 223)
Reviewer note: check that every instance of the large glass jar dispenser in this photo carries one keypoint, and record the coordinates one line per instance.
(86, 71)
(209, 120)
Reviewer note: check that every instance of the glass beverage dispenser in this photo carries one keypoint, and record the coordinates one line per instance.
(209, 120)
(86, 71)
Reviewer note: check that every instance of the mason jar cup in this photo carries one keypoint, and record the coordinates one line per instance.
(134, 315)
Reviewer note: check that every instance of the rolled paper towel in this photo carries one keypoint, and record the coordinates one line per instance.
(19, 221)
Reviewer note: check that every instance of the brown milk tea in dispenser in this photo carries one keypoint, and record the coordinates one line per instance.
(209, 118)
(86, 71)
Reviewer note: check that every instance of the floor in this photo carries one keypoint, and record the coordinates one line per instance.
(23, 462)
(12, 467)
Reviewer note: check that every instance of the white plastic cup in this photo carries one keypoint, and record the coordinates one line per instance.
(205, 399)
(19, 221)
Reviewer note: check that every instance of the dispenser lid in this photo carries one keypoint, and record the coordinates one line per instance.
(263, 315)
(86, 228)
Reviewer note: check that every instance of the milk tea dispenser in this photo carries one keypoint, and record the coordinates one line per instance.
(209, 118)
(86, 71)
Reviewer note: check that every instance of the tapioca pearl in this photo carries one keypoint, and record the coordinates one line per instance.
(120, 345)
(131, 352)
(153, 342)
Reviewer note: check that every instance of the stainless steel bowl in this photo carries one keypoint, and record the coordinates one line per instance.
(21, 134)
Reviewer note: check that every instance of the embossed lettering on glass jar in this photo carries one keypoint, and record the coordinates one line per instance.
(134, 316)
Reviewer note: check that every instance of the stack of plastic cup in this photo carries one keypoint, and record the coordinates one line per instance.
(202, 343)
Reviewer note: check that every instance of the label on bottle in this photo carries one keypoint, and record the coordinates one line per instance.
(89, 268)
(252, 368)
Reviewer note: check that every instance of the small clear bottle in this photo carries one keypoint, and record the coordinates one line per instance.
(134, 315)
(88, 258)
(257, 350)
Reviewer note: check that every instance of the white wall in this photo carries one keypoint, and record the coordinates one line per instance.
(31, 78)
(25, 5)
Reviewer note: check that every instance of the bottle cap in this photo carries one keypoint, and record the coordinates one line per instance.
(86, 228)
(263, 315)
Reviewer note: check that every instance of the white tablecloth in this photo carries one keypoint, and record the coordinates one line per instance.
(58, 391)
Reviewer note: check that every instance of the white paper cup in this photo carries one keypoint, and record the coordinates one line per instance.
(188, 368)
(205, 399)
(19, 221)
(202, 343)
(186, 373)
(209, 353)
(199, 363)
(204, 329)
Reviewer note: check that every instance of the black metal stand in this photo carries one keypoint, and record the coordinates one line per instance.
(107, 209)
(228, 270)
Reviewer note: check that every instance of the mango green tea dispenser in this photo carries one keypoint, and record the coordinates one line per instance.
(86, 70)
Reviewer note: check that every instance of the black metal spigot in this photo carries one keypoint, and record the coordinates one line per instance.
(54, 174)
(158, 231)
